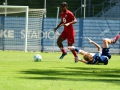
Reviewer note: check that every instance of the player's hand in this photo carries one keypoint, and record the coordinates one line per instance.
(62, 24)
(67, 24)
(55, 29)
(89, 40)
(78, 59)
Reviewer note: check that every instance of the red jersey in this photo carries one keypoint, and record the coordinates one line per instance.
(67, 17)
(68, 32)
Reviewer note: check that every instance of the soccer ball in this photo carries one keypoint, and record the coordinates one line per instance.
(37, 57)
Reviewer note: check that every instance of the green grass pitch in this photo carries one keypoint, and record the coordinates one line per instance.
(18, 71)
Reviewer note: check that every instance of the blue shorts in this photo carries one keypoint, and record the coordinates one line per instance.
(105, 52)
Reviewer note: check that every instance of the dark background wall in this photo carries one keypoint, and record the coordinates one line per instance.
(93, 6)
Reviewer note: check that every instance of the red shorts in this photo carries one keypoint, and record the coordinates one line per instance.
(69, 36)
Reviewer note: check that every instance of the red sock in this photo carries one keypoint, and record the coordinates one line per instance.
(116, 38)
(75, 53)
(63, 50)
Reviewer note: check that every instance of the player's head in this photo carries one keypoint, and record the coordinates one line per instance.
(64, 6)
(88, 57)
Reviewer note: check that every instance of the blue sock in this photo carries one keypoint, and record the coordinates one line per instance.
(76, 49)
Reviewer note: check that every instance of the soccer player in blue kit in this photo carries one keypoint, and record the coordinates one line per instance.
(101, 57)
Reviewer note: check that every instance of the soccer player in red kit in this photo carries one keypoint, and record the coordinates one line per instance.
(67, 20)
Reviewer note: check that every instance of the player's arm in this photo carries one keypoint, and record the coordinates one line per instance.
(94, 43)
(84, 61)
(74, 21)
(59, 25)
(81, 60)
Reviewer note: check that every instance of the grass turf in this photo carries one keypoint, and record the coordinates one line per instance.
(18, 71)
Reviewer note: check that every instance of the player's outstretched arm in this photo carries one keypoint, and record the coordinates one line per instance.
(94, 43)
(59, 25)
(81, 60)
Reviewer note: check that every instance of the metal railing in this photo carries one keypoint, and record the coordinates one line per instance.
(75, 12)
(102, 12)
(96, 10)
(111, 3)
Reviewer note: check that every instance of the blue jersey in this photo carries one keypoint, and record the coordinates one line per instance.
(101, 58)
(98, 58)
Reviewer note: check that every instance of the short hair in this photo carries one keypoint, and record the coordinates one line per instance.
(64, 4)
(88, 57)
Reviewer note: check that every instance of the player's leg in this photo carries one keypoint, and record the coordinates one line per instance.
(115, 39)
(73, 52)
(82, 52)
(61, 38)
(106, 42)
(105, 50)
(71, 40)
